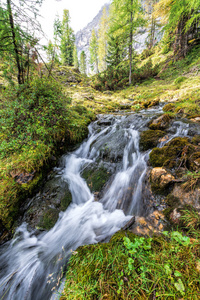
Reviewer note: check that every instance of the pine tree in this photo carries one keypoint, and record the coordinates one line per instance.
(83, 63)
(67, 40)
(126, 18)
(114, 51)
(102, 40)
(75, 58)
(93, 48)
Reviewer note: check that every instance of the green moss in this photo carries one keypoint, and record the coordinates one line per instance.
(170, 107)
(96, 178)
(150, 138)
(49, 219)
(157, 157)
(150, 103)
(196, 140)
(173, 155)
(160, 123)
(66, 200)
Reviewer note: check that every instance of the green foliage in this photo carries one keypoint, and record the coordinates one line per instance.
(37, 120)
(32, 115)
(132, 267)
(67, 40)
(83, 63)
(118, 77)
(94, 52)
(102, 40)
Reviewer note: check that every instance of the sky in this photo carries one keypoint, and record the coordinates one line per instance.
(81, 12)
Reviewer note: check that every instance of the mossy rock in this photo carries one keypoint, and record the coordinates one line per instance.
(149, 139)
(160, 123)
(150, 103)
(66, 200)
(196, 140)
(49, 218)
(173, 155)
(170, 107)
(96, 178)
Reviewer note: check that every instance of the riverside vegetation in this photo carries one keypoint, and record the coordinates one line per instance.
(48, 112)
(163, 266)
(40, 120)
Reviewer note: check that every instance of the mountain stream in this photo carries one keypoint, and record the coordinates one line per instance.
(31, 264)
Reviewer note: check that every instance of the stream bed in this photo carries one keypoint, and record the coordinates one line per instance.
(32, 263)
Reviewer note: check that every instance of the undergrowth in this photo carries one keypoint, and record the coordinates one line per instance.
(133, 267)
(37, 121)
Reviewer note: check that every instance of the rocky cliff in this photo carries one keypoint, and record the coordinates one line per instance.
(83, 36)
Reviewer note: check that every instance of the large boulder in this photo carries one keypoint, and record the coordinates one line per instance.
(150, 138)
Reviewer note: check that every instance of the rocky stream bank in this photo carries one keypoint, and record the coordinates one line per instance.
(142, 164)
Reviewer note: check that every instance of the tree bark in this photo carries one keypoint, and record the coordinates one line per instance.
(17, 56)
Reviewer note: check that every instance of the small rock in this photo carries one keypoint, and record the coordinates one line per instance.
(160, 123)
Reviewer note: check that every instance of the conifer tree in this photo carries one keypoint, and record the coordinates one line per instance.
(83, 63)
(114, 51)
(75, 58)
(126, 18)
(93, 48)
(102, 40)
(67, 40)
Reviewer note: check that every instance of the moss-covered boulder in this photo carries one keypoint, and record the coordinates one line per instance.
(96, 177)
(169, 107)
(150, 138)
(160, 123)
(174, 154)
(150, 103)
(44, 207)
(49, 219)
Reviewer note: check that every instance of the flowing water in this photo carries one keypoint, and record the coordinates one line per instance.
(31, 265)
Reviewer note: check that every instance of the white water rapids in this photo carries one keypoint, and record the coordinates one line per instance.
(30, 265)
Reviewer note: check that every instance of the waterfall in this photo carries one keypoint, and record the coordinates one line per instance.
(31, 265)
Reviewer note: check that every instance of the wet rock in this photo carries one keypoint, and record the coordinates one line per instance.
(112, 149)
(106, 121)
(96, 177)
(160, 123)
(43, 210)
(150, 138)
(49, 219)
(160, 178)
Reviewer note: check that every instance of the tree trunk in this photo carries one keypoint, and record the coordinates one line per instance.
(17, 56)
(131, 45)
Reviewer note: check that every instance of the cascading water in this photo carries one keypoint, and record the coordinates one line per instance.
(30, 265)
